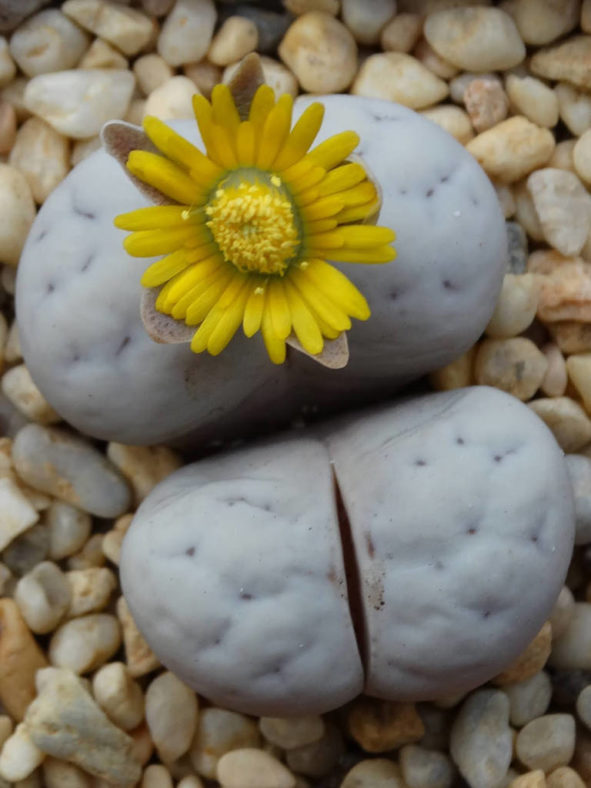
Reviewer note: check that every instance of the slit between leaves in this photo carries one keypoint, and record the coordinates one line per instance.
(352, 575)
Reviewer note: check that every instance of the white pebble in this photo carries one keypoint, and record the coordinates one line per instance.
(367, 19)
(562, 612)
(542, 21)
(291, 732)
(43, 596)
(118, 695)
(529, 699)
(90, 590)
(17, 209)
(7, 66)
(547, 742)
(156, 776)
(516, 306)
(394, 76)
(219, 731)
(513, 365)
(236, 38)
(173, 99)
(47, 41)
(126, 28)
(17, 513)
(582, 157)
(42, 155)
(151, 71)
(534, 99)
(556, 378)
(20, 756)
(102, 55)
(562, 158)
(452, 119)
(171, 714)
(69, 528)
(579, 471)
(187, 32)
(61, 774)
(251, 768)
(574, 107)
(563, 207)
(401, 33)
(567, 420)
(426, 55)
(143, 466)
(19, 388)
(572, 650)
(423, 768)
(85, 643)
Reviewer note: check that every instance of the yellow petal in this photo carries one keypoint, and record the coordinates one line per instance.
(228, 324)
(246, 144)
(341, 178)
(311, 177)
(186, 280)
(205, 298)
(179, 150)
(321, 241)
(320, 226)
(165, 269)
(335, 285)
(275, 131)
(225, 147)
(359, 194)
(165, 176)
(262, 103)
(152, 218)
(334, 150)
(362, 236)
(204, 117)
(149, 243)
(200, 341)
(301, 136)
(253, 311)
(322, 209)
(378, 254)
(356, 213)
(274, 344)
(319, 304)
(278, 308)
(304, 323)
(224, 108)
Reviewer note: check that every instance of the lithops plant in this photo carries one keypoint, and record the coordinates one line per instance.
(80, 292)
(411, 551)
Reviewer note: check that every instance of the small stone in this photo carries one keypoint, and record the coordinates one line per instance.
(171, 714)
(579, 372)
(512, 149)
(542, 21)
(14, 94)
(379, 726)
(151, 71)
(219, 731)
(271, 26)
(65, 722)
(12, 348)
(475, 39)
(563, 207)
(60, 774)
(7, 127)
(78, 102)
(139, 656)
(236, 38)
(394, 76)
(401, 33)
(562, 158)
(582, 158)
(69, 468)
(291, 732)
(20, 659)
(555, 380)
(574, 107)
(426, 55)
(90, 590)
(481, 742)
(562, 612)
(547, 742)
(584, 705)
(17, 513)
(157, 776)
(516, 306)
(531, 97)
(85, 643)
(118, 695)
(422, 768)
(17, 209)
(42, 155)
(68, 527)
(564, 777)
(572, 650)
(143, 466)
(566, 419)
(529, 698)
(366, 20)
(299, 7)
(456, 374)
(514, 365)
(526, 213)
(20, 756)
(319, 758)
(7, 66)
(190, 781)
(18, 387)
(569, 61)
(579, 471)
(452, 119)
(374, 773)
(250, 768)
(113, 539)
(535, 779)
(565, 288)
(43, 596)
(102, 55)
(27, 550)
(143, 746)
(517, 263)
(187, 32)
(127, 29)
(173, 99)
(47, 42)
(205, 75)
(136, 111)
(530, 661)
(571, 337)
(321, 52)
(486, 102)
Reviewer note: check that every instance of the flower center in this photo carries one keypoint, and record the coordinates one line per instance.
(252, 220)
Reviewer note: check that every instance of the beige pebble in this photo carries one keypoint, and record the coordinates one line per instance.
(564, 777)
(563, 207)
(236, 38)
(401, 33)
(205, 75)
(17, 209)
(14, 94)
(514, 365)
(136, 111)
(525, 211)
(156, 776)
(425, 768)
(579, 372)
(562, 158)
(374, 772)
(426, 55)
(542, 21)
(566, 419)
(321, 52)
(151, 71)
(529, 698)
(586, 16)
(190, 781)
(118, 695)
(90, 590)
(572, 650)
(299, 7)
(69, 529)
(171, 714)
(20, 756)
(475, 39)
(394, 76)
(582, 157)
(139, 657)
(547, 742)
(219, 731)
(7, 65)
(574, 106)
(12, 347)
(17, 512)
(85, 643)
(173, 99)
(456, 374)
(320, 758)
(250, 768)
(113, 539)
(61, 774)
(143, 746)
(556, 378)
(535, 779)
(366, 20)
(18, 387)
(291, 732)
(565, 292)
(516, 306)
(6, 728)
(126, 28)
(143, 466)
(562, 612)
(452, 119)
(43, 597)
(512, 149)
(486, 103)
(379, 726)
(83, 148)
(42, 155)
(533, 99)
(101, 54)
(278, 76)
(569, 61)
(187, 32)
(7, 127)
(530, 661)
(65, 722)
(20, 658)
(47, 41)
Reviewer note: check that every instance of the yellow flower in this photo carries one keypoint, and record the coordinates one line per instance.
(252, 223)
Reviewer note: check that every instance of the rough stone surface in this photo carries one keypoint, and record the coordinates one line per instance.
(542, 21)
(394, 76)
(380, 726)
(187, 32)
(568, 421)
(48, 41)
(219, 731)
(547, 742)
(127, 29)
(529, 698)
(18, 211)
(569, 61)
(563, 206)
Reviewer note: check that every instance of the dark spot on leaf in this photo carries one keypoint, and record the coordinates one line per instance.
(420, 463)
(125, 342)
(371, 548)
(190, 551)
(430, 193)
(460, 441)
